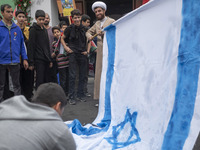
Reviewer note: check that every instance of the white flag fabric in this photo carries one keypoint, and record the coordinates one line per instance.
(149, 96)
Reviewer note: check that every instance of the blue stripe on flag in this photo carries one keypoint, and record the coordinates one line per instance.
(76, 126)
(187, 79)
(111, 39)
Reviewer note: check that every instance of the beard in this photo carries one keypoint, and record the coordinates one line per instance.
(46, 23)
(100, 17)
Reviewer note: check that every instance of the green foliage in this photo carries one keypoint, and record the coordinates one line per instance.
(25, 6)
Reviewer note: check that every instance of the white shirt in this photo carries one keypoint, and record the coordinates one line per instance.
(103, 21)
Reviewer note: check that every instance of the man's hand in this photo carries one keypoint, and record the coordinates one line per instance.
(31, 68)
(25, 63)
(68, 50)
(53, 55)
(50, 65)
(90, 38)
(100, 33)
(85, 53)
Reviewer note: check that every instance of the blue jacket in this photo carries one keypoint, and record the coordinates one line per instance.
(11, 44)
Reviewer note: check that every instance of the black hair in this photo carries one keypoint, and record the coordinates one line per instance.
(4, 6)
(39, 13)
(62, 23)
(75, 12)
(19, 12)
(85, 17)
(55, 28)
(50, 94)
(0, 17)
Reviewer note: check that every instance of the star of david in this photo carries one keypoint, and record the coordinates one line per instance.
(131, 139)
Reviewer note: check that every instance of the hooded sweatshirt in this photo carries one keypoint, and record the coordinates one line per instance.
(38, 45)
(30, 126)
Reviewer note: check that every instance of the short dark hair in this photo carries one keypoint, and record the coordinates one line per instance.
(62, 23)
(39, 13)
(0, 17)
(19, 12)
(50, 94)
(75, 12)
(55, 28)
(85, 17)
(4, 6)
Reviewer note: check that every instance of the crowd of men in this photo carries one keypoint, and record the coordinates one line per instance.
(34, 56)
(62, 49)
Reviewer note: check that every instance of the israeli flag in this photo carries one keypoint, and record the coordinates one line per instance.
(149, 97)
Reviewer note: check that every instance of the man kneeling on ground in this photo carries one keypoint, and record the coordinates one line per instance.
(37, 125)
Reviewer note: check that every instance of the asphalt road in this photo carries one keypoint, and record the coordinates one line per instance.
(85, 112)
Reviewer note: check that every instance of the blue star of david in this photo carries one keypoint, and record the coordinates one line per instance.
(133, 137)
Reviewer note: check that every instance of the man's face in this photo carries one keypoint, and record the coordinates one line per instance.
(100, 13)
(86, 23)
(77, 20)
(40, 21)
(63, 28)
(56, 33)
(7, 14)
(25, 21)
(47, 20)
(20, 18)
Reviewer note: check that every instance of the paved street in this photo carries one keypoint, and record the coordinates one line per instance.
(85, 112)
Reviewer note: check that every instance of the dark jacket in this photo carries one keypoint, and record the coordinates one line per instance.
(38, 46)
(11, 44)
(75, 37)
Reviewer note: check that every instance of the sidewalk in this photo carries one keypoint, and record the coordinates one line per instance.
(85, 112)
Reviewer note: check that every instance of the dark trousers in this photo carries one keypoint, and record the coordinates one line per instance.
(27, 82)
(53, 72)
(64, 79)
(42, 72)
(80, 60)
(14, 73)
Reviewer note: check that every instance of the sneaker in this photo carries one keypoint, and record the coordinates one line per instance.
(81, 99)
(96, 105)
(87, 94)
(72, 102)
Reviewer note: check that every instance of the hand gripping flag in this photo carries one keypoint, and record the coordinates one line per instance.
(149, 97)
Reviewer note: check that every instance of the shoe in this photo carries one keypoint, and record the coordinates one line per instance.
(72, 102)
(87, 94)
(96, 105)
(81, 99)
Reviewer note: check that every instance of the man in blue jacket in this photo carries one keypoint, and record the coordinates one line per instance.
(11, 47)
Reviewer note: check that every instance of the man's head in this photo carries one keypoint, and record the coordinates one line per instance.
(20, 16)
(52, 95)
(7, 12)
(63, 26)
(25, 21)
(40, 17)
(47, 19)
(85, 20)
(99, 8)
(76, 17)
(56, 32)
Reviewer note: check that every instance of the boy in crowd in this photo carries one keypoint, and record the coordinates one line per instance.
(74, 36)
(63, 26)
(62, 59)
(39, 50)
(11, 47)
(26, 76)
